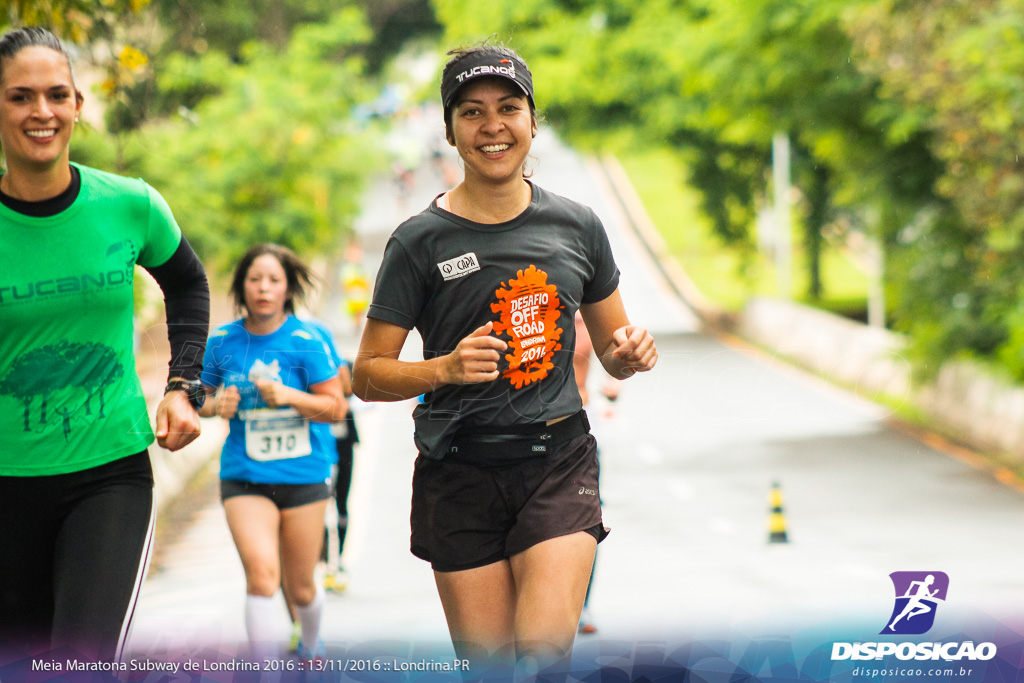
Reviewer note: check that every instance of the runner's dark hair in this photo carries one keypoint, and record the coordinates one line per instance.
(13, 42)
(300, 278)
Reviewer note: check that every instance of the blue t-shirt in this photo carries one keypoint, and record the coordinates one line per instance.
(267, 445)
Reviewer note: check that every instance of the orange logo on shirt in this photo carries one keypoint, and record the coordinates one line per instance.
(528, 313)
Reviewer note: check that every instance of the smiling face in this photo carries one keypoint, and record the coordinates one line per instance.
(266, 288)
(492, 127)
(38, 108)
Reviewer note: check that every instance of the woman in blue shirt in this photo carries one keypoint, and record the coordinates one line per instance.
(271, 376)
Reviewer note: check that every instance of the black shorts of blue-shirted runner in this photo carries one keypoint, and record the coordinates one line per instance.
(284, 496)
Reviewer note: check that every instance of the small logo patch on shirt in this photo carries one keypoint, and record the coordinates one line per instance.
(460, 266)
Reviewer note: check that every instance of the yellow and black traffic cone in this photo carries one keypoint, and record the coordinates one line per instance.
(777, 520)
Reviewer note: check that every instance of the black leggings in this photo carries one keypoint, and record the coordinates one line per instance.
(341, 483)
(73, 553)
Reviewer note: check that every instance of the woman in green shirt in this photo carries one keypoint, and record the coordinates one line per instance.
(76, 485)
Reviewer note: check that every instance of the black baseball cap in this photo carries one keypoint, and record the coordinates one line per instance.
(486, 63)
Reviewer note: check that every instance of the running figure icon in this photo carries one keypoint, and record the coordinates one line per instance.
(915, 606)
(917, 593)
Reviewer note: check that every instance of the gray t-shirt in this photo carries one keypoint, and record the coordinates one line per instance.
(446, 276)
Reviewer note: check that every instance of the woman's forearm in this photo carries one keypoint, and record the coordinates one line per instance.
(322, 403)
(319, 407)
(389, 379)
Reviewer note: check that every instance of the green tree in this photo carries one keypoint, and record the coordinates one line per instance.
(952, 68)
(273, 155)
(394, 24)
(229, 25)
(77, 20)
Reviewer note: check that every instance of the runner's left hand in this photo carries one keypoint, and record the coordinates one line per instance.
(634, 349)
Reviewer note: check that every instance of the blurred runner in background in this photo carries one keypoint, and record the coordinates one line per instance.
(336, 437)
(610, 391)
(271, 375)
(343, 437)
(355, 286)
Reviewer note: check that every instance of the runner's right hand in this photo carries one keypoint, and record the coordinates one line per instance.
(475, 359)
(227, 402)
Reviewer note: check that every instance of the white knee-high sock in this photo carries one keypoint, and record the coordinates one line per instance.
(309, 618)
(260, 617)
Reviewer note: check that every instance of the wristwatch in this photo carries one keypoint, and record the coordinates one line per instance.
(194, 390)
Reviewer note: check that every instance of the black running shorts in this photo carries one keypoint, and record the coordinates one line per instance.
(284, 496)
(469, 515)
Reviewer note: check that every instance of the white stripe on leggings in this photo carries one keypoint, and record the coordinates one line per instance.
(147, 553)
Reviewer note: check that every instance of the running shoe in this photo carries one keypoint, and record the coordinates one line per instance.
(293, 642)
(336, 580)
(318, 652)
(587, 624)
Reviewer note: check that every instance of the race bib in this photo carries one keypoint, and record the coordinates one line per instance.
(272, 434)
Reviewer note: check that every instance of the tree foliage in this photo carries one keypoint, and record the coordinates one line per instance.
(79, 21)
(953, 68)
(228, 25)
(269, 151)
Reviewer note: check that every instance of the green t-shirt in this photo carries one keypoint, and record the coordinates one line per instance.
(70, 397)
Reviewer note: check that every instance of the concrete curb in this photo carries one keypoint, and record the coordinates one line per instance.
(966, 401)
(868, 359)
(971, 400)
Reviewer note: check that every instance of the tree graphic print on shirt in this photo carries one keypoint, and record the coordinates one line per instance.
(528, 309)
(70, 374)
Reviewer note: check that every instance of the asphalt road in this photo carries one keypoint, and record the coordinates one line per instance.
(689, 458)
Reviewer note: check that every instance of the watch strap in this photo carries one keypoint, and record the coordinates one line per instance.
(193, 389)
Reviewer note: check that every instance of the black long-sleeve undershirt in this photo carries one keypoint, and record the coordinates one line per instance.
(187, 301)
